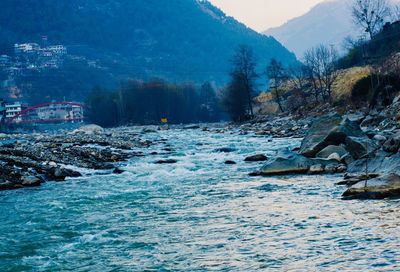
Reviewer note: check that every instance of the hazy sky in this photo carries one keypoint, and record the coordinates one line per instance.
(263, 14)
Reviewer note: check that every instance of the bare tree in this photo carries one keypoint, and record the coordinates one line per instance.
(370, 14)
(276, 75)
(320, 63)
(237, 97)
(313, 72)
(350, 43)
(298, 77)
(328, 58)
(244, 68)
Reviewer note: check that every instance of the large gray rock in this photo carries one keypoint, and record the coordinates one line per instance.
(377, 188)
(30, 181)
(331, 149)
(380, 139)
(380, 162)
(89, 130)
(357, 117)
(359, 147)
(392, 145)
(287, 163)
(328, 130)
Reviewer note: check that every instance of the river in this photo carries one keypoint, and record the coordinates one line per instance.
(197, 215)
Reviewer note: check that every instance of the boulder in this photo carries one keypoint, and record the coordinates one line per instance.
(61, 173)
(169, 161)
(89, 130)
(335, 156)
(118, 171)
(359, 147)
(30, 181)
(230, 162)
(326, 131)
(331, 149)
(288, 162)
(225, 149)
(350, 180)
(256, 158)
(377, 188)
(380, 139)
(380, 162)
(392, 145)
(316, 169)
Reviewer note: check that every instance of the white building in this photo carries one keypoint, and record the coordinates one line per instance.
(5, 61)
(26, 48)
(57, 49)
(13, 109)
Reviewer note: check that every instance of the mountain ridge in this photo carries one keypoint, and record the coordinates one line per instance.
(328, 23)
(177, 40)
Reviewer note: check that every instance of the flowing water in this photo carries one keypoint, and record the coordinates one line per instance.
(197, 215)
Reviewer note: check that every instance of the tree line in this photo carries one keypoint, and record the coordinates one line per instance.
(149, 102)
(317, 72)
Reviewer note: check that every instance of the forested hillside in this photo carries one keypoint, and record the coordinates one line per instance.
(180, 40)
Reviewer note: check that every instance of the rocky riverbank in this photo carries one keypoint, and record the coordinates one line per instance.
(363, 145)
(28, 160)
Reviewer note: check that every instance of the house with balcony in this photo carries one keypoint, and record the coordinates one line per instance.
(14, 109)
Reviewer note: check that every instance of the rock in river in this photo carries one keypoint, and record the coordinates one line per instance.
(169, 161)
(377, 188)
(225, 149)
(328, 130)
(230, 162)
(89, 130)
(31, 181)
(392, 145)
(360, 146)
(256, 158)
(288, 162)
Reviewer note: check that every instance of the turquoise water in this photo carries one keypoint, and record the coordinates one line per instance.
(197, 215)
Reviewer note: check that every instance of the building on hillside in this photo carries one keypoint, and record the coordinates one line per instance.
(26, 48)
(5, 61)
(51, 56)
(32, 56)
(13, 109)
(59, 50)
(77, 112)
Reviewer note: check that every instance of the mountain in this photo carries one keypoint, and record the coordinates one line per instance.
(112, 40)
(328, 23)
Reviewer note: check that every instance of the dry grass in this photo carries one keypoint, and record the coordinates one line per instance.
(347, 79)
(264, 97)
